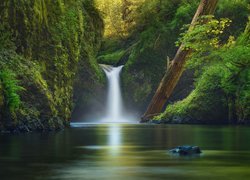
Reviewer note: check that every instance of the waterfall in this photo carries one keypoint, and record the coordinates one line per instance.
(114, 100)
(115, 112)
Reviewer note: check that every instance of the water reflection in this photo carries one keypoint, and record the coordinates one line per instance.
(115, 151)
(114, 139)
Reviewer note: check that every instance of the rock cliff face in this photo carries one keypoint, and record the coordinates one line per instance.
(48, 48)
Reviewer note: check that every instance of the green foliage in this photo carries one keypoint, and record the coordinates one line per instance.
(50, 48)
(236, 82)
(224, 69)
(152, 38)
(183, 14)
(237, 11)
(206, 103)
(111, 58)
(10, 90)
(204, 36)
(157, 27)
(119, 16)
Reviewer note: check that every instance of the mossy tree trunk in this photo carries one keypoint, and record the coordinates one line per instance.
(176, 69)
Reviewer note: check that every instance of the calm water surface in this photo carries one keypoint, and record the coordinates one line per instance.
(127, 152)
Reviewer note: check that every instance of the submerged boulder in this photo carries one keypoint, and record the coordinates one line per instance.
(186, 150)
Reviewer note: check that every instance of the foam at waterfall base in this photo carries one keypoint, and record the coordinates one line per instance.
(117, 121)
(88, 124)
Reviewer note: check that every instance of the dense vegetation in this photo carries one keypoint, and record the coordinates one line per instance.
(47, 55)
(49, 52)
(222, 89)
(149, 45)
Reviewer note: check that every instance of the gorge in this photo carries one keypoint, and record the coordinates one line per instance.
(76, 77)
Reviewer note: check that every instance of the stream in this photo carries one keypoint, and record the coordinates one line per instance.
(126, 151)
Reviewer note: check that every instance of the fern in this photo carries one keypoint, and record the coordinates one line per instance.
(10, 90)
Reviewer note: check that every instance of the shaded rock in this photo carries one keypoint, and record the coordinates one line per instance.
(164, 121)
(155, 122)
(177, 120)
(186, 150)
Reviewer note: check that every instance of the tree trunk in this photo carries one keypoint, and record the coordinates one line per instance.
(176, 69)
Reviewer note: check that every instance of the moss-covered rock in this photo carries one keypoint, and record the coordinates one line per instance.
(53, 53)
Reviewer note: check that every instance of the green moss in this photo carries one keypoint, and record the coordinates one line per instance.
(111, 58)
(205, 104)
(49, 40)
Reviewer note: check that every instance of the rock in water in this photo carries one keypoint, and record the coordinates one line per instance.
(186, 150)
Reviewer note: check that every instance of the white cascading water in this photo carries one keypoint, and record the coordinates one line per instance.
(114, 100)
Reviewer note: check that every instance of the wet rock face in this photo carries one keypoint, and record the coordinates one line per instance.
(186, 150)
(51, 49)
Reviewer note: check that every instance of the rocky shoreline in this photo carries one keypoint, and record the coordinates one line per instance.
(188, 120)
(54, 124)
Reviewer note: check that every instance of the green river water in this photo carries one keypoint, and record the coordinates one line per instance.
(126, 151)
